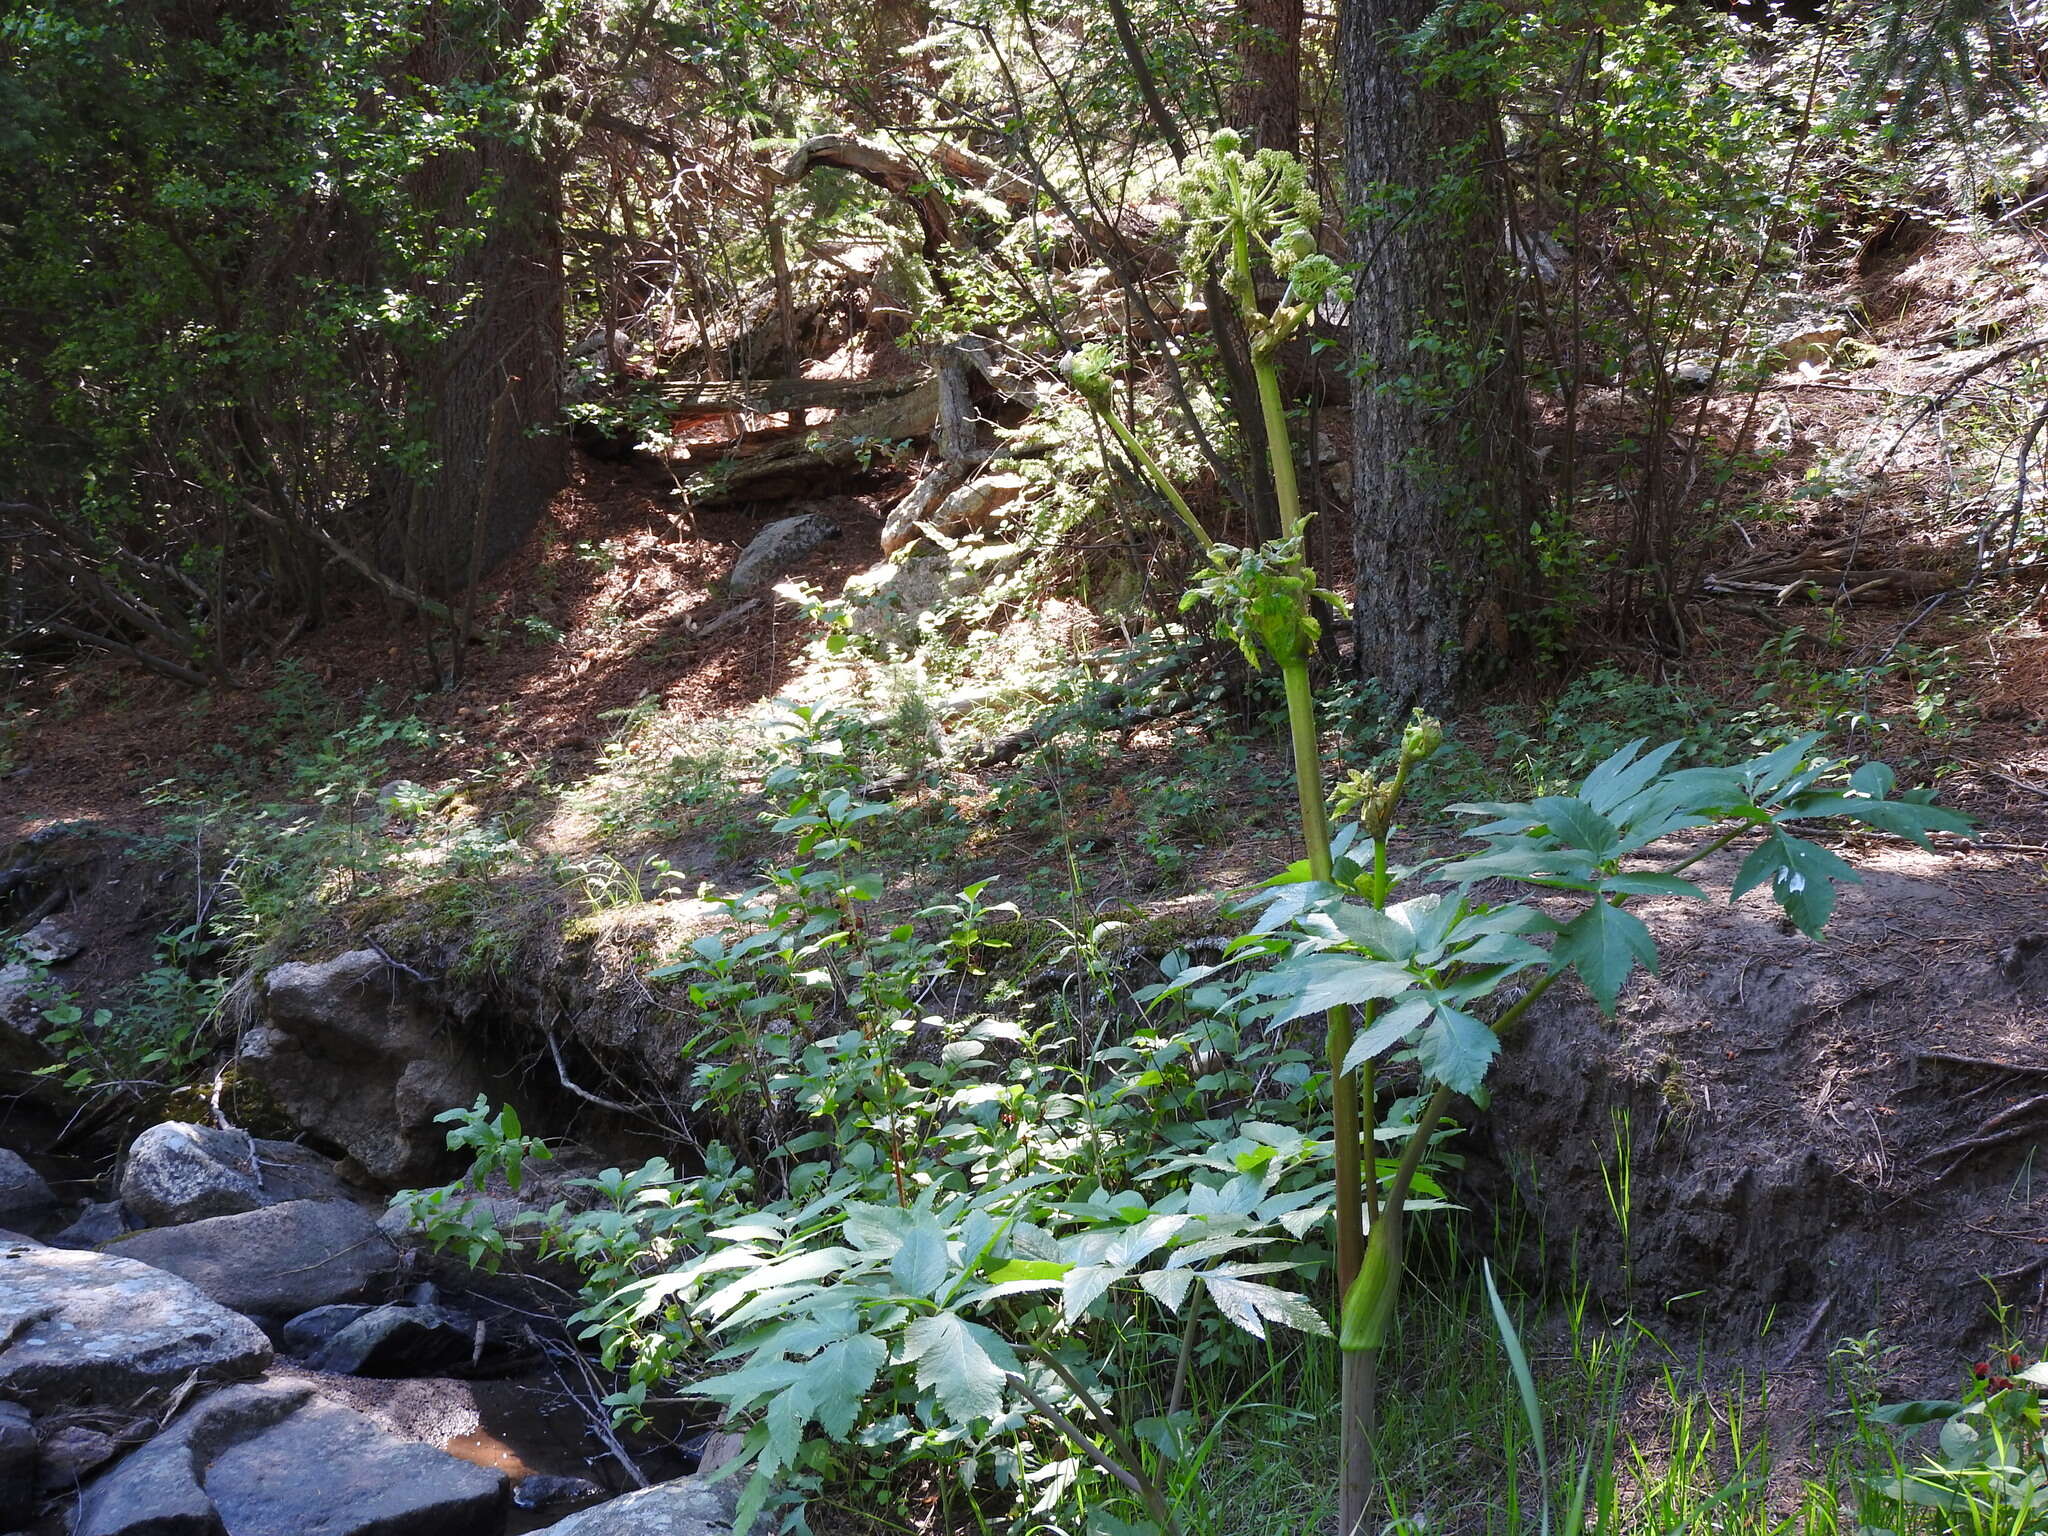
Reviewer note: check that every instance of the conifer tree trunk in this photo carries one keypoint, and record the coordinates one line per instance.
(1265, 102)
(1437, 414)
(488, 495)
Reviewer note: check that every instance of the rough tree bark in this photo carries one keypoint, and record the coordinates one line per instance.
(1437, 483)
(1265, 101)
(508, 346)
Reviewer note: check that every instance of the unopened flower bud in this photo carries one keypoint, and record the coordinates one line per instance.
(1419, 742)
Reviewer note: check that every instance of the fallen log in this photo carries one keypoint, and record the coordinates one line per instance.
(828, 452)
(718, 397)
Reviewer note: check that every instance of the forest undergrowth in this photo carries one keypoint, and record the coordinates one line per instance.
(1047, 969)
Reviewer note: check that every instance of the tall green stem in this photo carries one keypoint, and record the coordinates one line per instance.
(1286, 489)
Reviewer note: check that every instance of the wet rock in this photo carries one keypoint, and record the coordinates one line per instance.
(17, 1465)
(100, 1222)
(776, 549)
(91, 1329)
(689, 1506)
(276, 1262)
(547, 1490)
(26, 1203)
(397, 1341)
(71, 1452)
(177, 1172)
(356, 1061)
(274, 1460)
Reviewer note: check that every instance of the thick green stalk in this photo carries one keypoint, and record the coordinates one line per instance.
(1286, 489)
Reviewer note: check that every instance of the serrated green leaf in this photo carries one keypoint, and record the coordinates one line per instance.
(1603, 944)
(1608, 787)
(840, 1377)
(1575, 823)
(1169, 1287)
(1456, 1050)
(1251, 1305)
(1085, 1285)
(1387, 1031)
(954, 1363)
(920, 1264)
(1650, 883)
(1519, 861)
(1316, 983)
(1803, 878)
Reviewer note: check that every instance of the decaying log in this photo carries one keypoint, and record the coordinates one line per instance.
(832, 450)
(718, 397)
(1827, 569)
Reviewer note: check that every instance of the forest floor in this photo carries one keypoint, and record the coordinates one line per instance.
(1861, 1119)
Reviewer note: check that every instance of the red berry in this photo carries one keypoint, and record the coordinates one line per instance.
(1981, 1369)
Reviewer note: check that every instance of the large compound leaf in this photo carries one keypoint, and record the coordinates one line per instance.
(1456, 1050)
(840, 1378)
(1802, 875)
(1603, 944)
(1251, 1305)
(954, 1363)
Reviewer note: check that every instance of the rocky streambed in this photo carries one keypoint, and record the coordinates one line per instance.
(235, 1340)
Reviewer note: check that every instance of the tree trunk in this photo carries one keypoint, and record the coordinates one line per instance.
(508, 345)
(1437, 488)
(1265, 102)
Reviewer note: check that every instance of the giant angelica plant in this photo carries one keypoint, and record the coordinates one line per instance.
(1435, 978)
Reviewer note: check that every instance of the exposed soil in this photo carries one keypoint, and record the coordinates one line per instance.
(1812, 1140)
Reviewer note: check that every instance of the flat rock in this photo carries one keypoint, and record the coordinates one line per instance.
(276, 1262)
(309, 1330)
(83, 1329)
(178, 1172)
(273, 1459)
(26, 1202)
(776, 549)
(689, 1506)
(69, 1453)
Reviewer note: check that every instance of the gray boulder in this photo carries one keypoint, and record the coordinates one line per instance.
(177, 1172)
(89, 1329)
(397, 1341)
(275, 1460)
(100, 1222)
(17, 1466)
(550, 1490)
(689, 1506)
(776, 549)
(26, 1203)
(276, 1262)
(309, 1330)
(356, 1061)
(52, 942)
